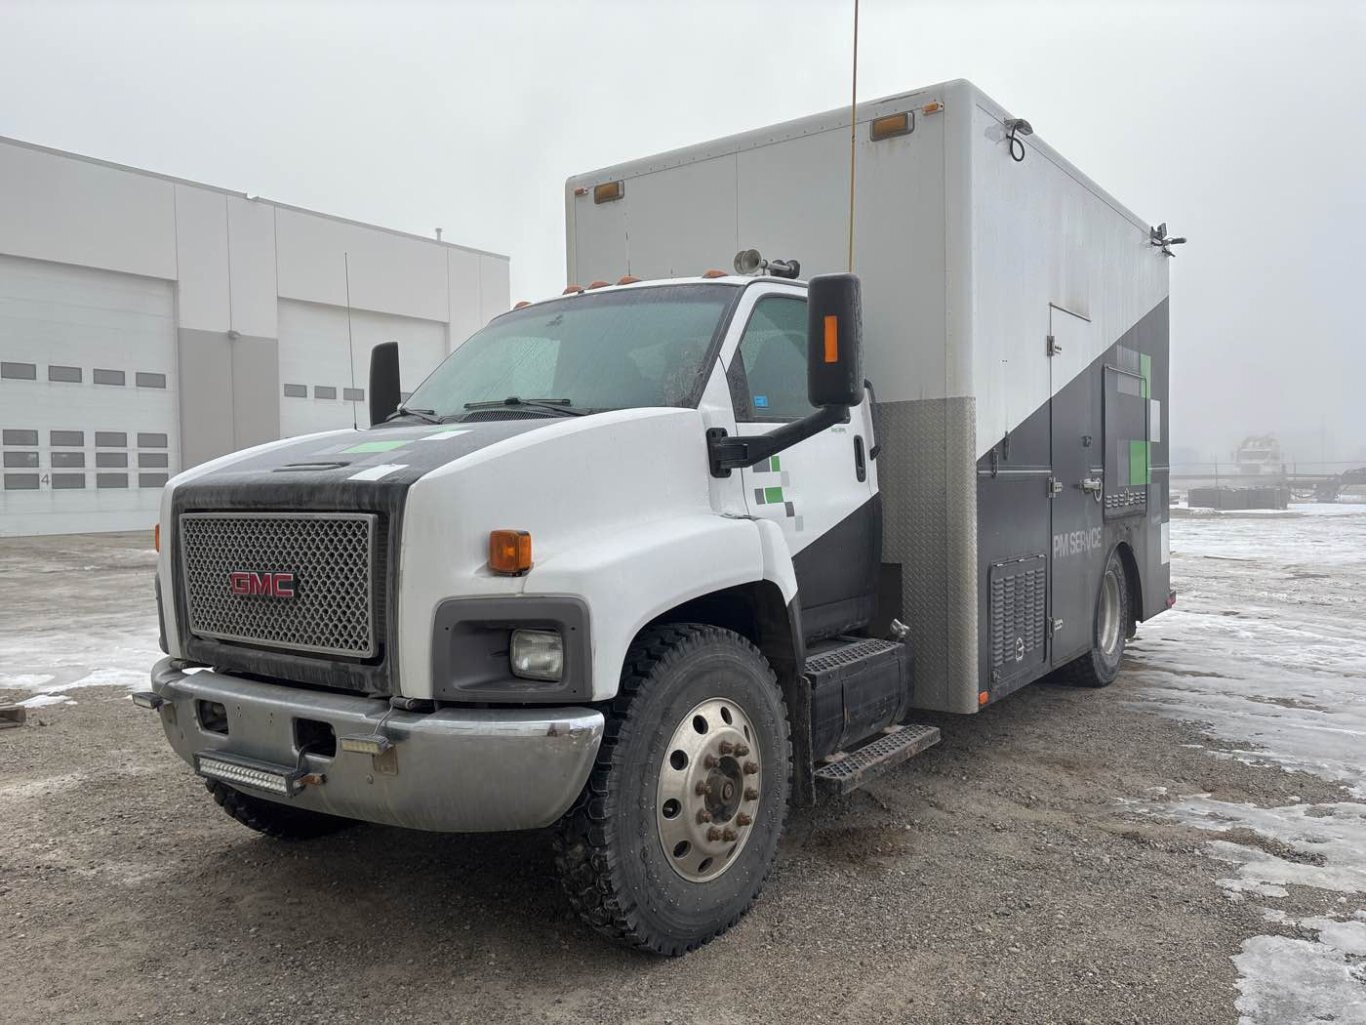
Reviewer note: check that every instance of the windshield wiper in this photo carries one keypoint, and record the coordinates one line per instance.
(557, 407)
(428, 415)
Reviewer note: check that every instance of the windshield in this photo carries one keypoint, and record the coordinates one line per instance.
(640, 347)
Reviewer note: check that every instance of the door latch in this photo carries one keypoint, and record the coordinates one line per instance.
(1054, 627)
(1054, 487)
(1053, 347)
(1093, 486)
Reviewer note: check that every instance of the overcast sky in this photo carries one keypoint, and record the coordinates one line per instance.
(1242, 125)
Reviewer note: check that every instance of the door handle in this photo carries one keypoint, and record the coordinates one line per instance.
(872, 413)
(1093, 486)
(860, 465)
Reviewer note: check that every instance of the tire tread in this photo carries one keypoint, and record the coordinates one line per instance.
(584, 854)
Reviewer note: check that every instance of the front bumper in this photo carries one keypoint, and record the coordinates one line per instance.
(452, 770)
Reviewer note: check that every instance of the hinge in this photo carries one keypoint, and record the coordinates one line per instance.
(1053, 347)
(1054, 487)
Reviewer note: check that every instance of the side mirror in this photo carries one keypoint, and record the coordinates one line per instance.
(834, 340)
(384, 392)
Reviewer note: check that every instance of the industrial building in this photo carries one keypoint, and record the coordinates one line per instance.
(149, 323)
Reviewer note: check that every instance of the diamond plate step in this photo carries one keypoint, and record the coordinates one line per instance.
(848, 770)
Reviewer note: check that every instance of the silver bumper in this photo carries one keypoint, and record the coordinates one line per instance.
(453, 770)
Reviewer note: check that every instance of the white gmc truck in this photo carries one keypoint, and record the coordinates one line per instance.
(650, 561)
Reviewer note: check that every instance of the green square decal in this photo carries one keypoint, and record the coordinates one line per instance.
(773, 494)
(373, 446)
(1138, 463)
(774, 464)
(1145, 367)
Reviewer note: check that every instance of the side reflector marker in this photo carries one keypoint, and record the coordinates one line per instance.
(832, 339)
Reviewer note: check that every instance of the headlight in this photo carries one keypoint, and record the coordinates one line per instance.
(537, 654)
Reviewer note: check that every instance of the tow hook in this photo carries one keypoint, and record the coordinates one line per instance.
(147, 699)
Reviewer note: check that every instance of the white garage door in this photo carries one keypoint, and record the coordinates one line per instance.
(87, 398)
(317, 364)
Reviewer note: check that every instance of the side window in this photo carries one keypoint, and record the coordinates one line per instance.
(768, 380)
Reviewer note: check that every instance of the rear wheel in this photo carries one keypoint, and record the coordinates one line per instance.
(1109, 630)
(279, 821)
(678, 826)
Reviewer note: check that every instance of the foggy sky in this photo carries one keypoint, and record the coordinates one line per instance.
(1242, 125)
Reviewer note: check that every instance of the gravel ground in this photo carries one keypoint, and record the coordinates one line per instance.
(997, 878)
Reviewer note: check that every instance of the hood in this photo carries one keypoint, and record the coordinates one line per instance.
(341, 470)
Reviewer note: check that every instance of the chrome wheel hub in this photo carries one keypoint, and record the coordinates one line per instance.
(710, 779)
(1108, 631)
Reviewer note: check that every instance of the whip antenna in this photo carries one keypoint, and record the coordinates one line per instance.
(853, 141)
(350, 344)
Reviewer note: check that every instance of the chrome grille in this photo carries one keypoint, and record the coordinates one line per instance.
(331, 557)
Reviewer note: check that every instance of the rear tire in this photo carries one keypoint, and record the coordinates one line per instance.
(677, 828)
(1109, 630)
(278, 821)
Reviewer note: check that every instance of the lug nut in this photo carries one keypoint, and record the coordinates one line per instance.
(751, 768)
(709, 762)
(743, 820)
(741, 750)
(726, 747)
(703, 788)
(729, 834)
(713, 834)
(751, 793)
(703, 815)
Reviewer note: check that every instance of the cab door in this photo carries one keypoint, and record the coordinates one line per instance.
(822, 491)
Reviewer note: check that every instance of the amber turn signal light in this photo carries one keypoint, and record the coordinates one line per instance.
(509, 552)
(156, 537)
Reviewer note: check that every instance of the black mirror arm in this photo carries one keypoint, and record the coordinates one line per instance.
(728, 453)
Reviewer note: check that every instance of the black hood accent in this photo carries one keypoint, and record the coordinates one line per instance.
(343, 472)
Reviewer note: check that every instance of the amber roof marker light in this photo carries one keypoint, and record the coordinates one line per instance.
(608, 192)
(891, 126)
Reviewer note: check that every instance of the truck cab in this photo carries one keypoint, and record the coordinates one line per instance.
(598, 510)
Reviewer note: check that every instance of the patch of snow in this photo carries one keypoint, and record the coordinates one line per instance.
(25, 681)
(1264, 651)
(1287, 981)
(43, 700)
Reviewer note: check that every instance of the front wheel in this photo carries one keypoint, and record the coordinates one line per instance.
(678, 826)
(1109, 630)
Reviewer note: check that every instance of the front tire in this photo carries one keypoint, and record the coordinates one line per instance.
(278, 821)
(678, 826)
(1109, 630)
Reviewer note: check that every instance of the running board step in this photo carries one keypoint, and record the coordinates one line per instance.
(848, 770)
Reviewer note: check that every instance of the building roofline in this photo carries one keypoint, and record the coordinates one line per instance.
(8, 140)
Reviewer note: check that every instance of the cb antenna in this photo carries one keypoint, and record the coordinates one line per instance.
(350, 344)
(853, 141)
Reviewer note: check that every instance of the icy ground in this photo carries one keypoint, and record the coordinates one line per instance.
(1265, 650)
(109, 634)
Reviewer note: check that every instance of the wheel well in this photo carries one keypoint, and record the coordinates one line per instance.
(1131, 577)
(758, 612)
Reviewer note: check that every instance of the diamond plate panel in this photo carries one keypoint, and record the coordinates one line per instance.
(332, 557)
